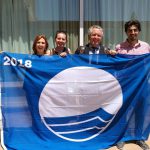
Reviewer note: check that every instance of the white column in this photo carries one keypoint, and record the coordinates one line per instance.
(81, 23)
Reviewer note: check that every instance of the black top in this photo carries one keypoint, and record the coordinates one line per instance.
(88, 48)
(54, 52)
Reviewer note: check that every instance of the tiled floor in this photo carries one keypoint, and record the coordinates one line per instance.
(126, 147)
(130, 146)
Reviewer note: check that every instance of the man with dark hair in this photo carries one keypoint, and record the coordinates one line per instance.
(132, 46)
(132, 22)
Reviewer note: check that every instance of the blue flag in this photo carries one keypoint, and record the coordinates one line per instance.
(88, 102)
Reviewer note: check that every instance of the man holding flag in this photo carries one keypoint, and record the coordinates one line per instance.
(132, 46)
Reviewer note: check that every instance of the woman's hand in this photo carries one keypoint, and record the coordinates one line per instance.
(63, 54)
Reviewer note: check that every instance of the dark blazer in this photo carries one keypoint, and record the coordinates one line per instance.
(85, 49)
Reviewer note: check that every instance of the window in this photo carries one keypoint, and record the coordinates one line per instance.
(22, 20)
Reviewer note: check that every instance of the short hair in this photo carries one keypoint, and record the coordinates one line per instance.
(93, 27)
(38, 37)
(132, 22)
(61, 31)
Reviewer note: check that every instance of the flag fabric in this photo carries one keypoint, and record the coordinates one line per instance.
(78, 102)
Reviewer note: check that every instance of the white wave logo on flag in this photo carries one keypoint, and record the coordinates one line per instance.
(79, 103)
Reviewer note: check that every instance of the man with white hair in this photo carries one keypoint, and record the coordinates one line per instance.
(94, 46)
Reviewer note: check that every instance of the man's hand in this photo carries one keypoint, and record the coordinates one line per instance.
(111, 52)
